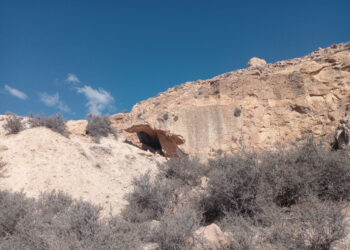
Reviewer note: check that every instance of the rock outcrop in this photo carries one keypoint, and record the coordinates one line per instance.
(254, 107)
(256, 62)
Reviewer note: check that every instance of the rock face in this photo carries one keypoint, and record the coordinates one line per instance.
(254, 107)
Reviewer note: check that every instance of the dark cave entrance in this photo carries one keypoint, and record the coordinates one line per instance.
(150, 142)
(156, 140)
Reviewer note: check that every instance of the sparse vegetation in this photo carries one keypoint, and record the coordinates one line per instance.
(188, 171)
(237, 112)
(176, 227)
(55, 221)
(165, 116)
(56, 123)
(151, 197)
(99, 126)
(290, 198)
(13, 124)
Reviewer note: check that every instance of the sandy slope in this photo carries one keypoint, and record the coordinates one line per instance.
(41, 160)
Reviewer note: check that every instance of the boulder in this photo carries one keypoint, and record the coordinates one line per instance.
(151, 246)
(256, 62)
(210, 238)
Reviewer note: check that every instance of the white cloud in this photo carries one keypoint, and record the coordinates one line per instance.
(72, 78)
(98, 99)
(16, 92)
(54, 101)
(49, 100)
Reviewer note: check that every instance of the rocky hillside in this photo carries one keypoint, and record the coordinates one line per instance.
(254, 107)
(40, 160)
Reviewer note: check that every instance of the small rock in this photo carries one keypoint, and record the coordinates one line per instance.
(3, 148)
(154, 225)
(210, 237)
(151, 246)
(256, 62)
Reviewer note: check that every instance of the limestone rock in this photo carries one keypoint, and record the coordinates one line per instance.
(151, 246)
(210, 238)
(77, 127)
(256, 108)
(3, 148)
(256, 62)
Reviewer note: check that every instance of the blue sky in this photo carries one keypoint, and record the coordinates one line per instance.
(83, 56)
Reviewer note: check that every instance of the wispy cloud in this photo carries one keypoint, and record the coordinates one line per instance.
(54, 101)
(71, 78)
(16, 93)
(98, 99)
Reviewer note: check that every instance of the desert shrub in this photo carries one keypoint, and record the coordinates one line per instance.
(312, 224)
(309, 168)
(56, 123)
(246, 183)
(116, 233)
(13, 208)
(186, 169)
(151, 198)
(242, 232)
(176, 228)
(13, 124)
(233, 186)
(99, 126)
(237, 112)
(55, 221)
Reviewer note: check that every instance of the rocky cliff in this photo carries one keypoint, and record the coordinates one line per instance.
(254, 107)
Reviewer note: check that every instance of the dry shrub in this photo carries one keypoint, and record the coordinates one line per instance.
(186, 169)
(313, 224)
(150, 198)
(55, 221)
(309, 168)
(233, 186)
(13, 124)
(99, 126)
(176, 228)
(56, 123)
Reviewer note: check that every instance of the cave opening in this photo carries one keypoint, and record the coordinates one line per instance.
(156, 140)
(150, 142)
